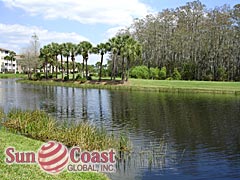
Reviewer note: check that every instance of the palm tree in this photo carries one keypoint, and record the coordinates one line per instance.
(73, 53)
(66, 53)
(55, 50)
(114, 51)
(61, 50)
(11, 57)
(102, 49)
(85, 48)
(45, 53)
(133, 50)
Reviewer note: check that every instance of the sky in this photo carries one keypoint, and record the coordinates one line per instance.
(76, 20)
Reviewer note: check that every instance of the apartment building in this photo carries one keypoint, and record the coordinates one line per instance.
(7, 65)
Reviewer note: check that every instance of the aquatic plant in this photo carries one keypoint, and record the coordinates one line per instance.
(39, 125)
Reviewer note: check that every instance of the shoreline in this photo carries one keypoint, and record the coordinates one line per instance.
(168, 86)
(21, 142)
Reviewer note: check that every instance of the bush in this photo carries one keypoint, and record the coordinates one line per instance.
(83, 80)
(221, 74)
(208, 77)
(37, 76)
(66, 78)
(139, 72)
(188, 71)
(153, 73)
(50, 76)
(162, 73)
(89, 78)
(176, 75)
(78, 77)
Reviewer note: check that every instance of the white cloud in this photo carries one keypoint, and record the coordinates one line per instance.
(111, 32)
(109, 12)
(16, 36)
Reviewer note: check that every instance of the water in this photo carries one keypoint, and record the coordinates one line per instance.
(200, 133)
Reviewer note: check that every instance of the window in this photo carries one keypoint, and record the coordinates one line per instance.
(6, 64)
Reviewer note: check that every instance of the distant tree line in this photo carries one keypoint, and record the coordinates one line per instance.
(189, 42)
(199, 43)
(121, 46)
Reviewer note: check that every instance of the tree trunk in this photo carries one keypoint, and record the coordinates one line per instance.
(86, 69)
(83, 67)
(62, 66)
(100, 74)
(73, 67)
(123, 69)
(127, 69)
(67, 69)
(46, 72)
(56, 67)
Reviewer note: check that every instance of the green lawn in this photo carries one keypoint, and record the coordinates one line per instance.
(153, 85)
(6, 76)
(195, 85)
(32, 171)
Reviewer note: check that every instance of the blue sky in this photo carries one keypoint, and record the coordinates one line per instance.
(75, 20)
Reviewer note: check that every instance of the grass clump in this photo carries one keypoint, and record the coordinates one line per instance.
(29, 172)
(39, 125)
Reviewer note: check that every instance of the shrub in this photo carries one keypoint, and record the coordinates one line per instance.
(89, 78)
(208, 77)
(176, 75)
(169, 78)
(221, 74)
(66, 78)
(39, 125)
(50, 76)
(37, 76)
(139, 72)
(78, 77)
(188, 71)
(153, 73)
(163, 73)
(83, 80)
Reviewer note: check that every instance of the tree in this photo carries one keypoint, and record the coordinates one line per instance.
(102, 49)
(114, 52)
(66, 53)
(45, 54)
(61, 52)
(35, 48)
(195, 40)
(85, 48)
(73, 52)
(55, 51)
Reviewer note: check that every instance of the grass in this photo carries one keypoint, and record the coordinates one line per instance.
(153, 85)
(25, 172)
(38, 125)
(6, 76)
(22, 143)
(194, 86)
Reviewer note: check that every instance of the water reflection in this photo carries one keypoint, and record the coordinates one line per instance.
(201, 132)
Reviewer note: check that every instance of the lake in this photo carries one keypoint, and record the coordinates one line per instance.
(174, 136)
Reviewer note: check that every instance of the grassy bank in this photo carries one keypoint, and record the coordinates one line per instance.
(38, 125)
(22, 143)
(154, 85)
(14, 171)
(6, 76)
